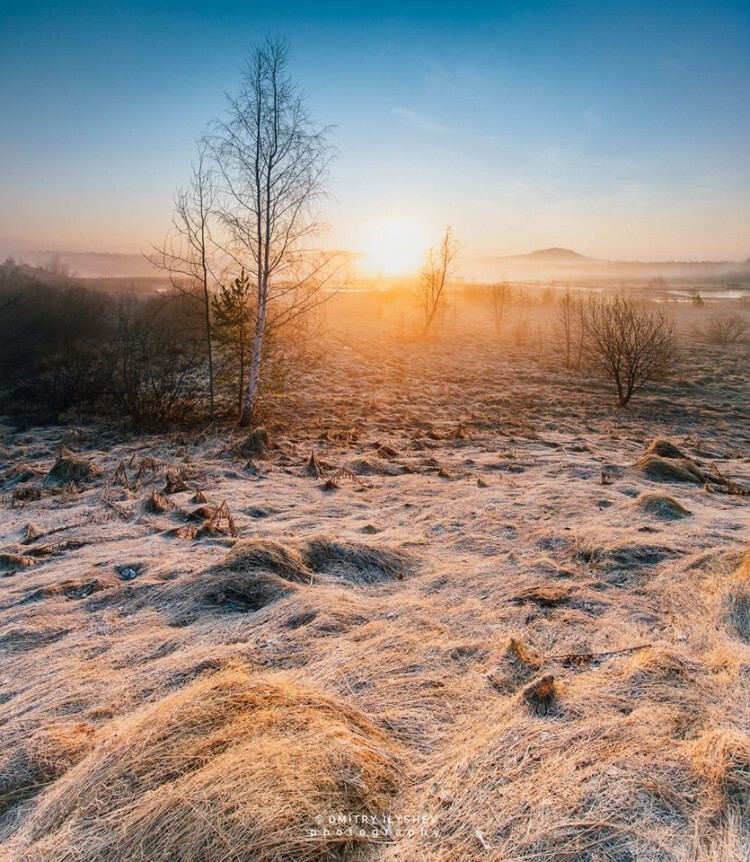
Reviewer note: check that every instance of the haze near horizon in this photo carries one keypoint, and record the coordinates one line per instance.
(620, 133)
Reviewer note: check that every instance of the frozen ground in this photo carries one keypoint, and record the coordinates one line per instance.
(457, 594)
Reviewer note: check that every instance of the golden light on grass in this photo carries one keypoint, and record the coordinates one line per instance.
(434, 608)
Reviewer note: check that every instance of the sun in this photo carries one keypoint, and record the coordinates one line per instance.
(392, 247)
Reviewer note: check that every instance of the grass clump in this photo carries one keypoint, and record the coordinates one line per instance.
(69, 468)
(375, 466)
(357, 562)
(664, 449)
(669, 469)
(737, 602)
(249, 554)
(45, 755)
(517, 665)
(256, 443)
(254, 574)
(663, 507)
(229, 767)
(721, 757)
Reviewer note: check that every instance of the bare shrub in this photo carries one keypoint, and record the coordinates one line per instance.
(570, 328)
(501, 296)
(189, 251)
(630, 342)
(521, 329)
(725, 327)
(157, 360)
(51, 339)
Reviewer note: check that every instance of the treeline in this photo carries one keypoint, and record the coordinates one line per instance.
(65, 348)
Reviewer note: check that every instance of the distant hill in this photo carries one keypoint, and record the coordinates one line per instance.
(565, 265)
(554, 255)
(112, 270)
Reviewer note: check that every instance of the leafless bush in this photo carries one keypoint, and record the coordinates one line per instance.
(521, 329)
(189, 251)
(157, 360)
(51, 340)
(726, 327)
(64, 347)
(501, 296)
(629, 342)
(570, 328)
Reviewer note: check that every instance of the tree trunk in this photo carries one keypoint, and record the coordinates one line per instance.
(256, 354)
(210, 347)
(241, 386)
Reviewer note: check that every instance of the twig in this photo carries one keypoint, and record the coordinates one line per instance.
(730, 487)
(583, 658)
(120, 512)
(203, 432)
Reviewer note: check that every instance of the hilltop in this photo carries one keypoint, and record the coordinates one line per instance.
(553, 255)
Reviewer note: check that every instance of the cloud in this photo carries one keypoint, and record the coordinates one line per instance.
(420, 121)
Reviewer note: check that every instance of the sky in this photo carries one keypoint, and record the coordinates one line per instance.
(620, 130)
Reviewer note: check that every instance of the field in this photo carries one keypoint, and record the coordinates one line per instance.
(453, 605)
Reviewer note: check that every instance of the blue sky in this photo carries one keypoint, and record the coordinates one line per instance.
(619, 129)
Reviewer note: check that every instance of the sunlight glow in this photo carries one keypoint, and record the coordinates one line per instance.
(392, 247)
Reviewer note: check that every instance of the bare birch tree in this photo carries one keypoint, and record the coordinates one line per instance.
(273, 162)
(439, 267)
(186, 254)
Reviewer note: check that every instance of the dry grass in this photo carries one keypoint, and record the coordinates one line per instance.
(737, 602)
(661, 506)
(68, 468)
(483, 634)
(356, 562)
(229, 767)
(669, 469)
(721, 759)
